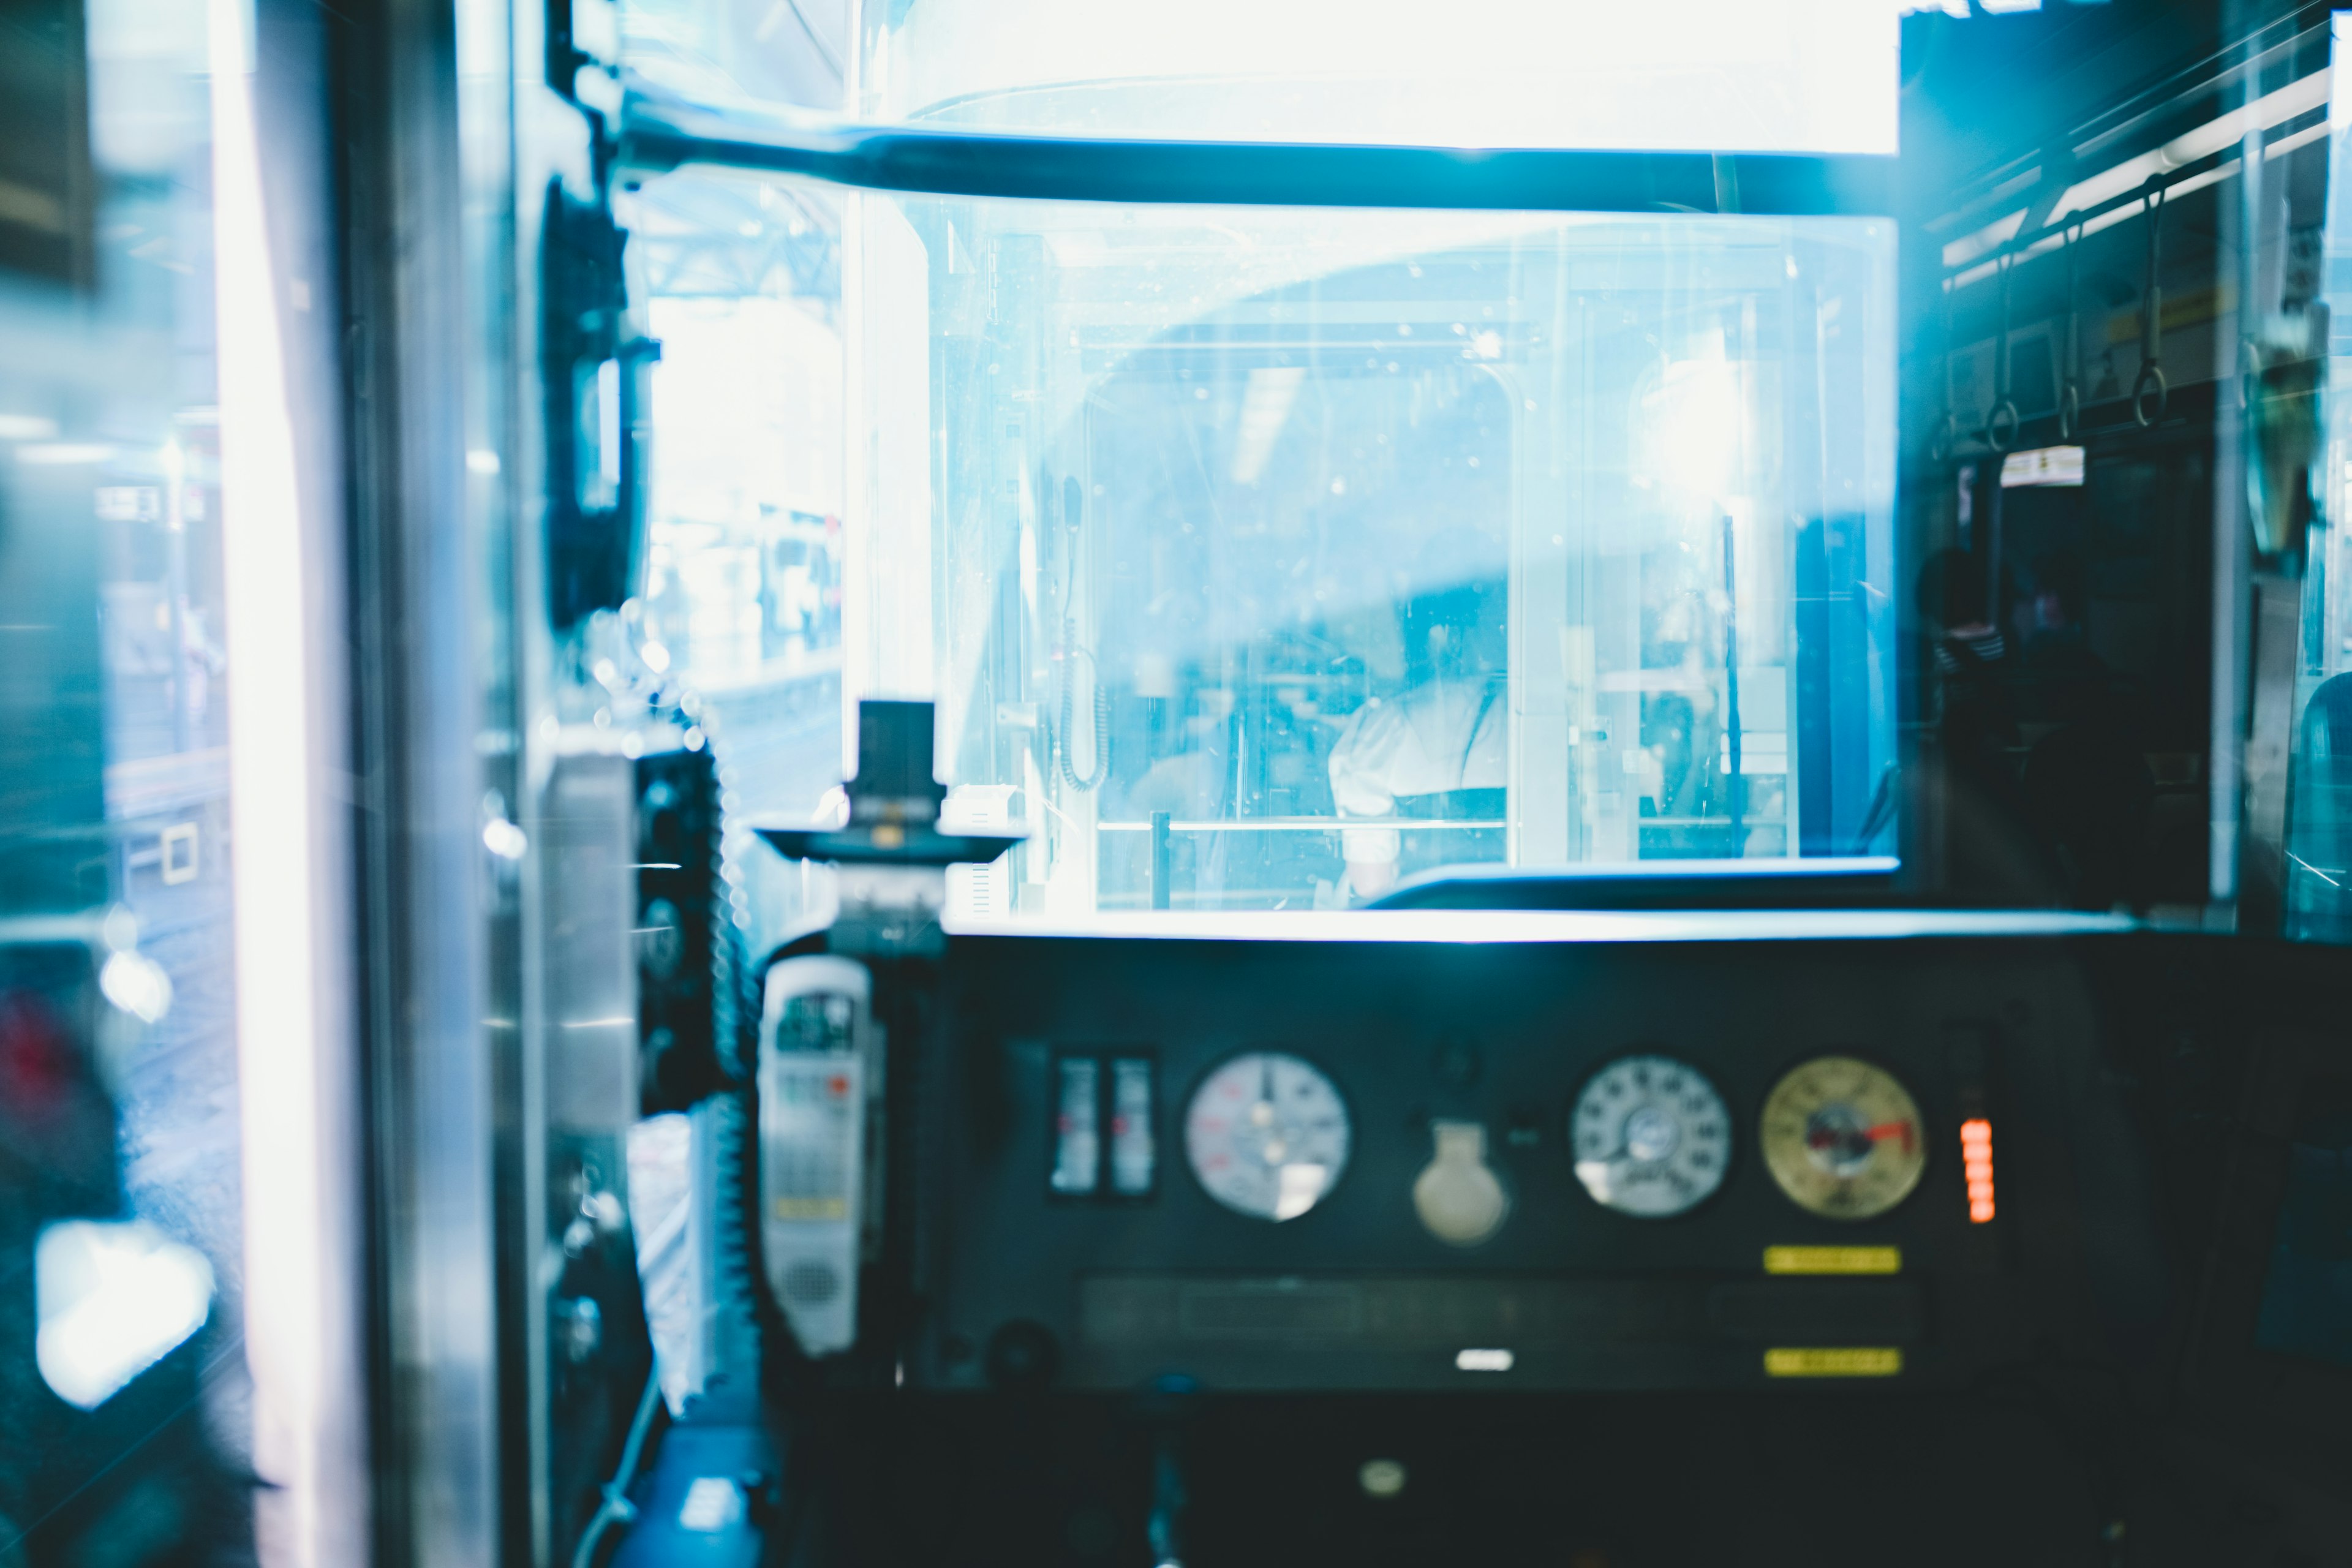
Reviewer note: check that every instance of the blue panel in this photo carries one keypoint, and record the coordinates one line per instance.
(2306, 1307)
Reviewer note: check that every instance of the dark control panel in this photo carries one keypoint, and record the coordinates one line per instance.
(1925, 1239)
(1533, 1166)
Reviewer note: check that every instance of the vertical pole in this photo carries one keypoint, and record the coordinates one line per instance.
(1160, 860)
(2232, 555)
(1735, 782)
(175, 526)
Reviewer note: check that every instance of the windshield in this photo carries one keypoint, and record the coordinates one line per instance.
(1263, 558)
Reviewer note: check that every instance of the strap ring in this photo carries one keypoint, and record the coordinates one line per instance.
(2151, 379)
(1998, 435)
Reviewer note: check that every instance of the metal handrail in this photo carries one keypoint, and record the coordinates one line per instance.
(2021, 246)
(660, 134)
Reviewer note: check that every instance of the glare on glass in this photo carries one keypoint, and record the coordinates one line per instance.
(1263, 558)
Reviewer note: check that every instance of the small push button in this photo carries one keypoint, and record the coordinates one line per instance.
(1457, 1195)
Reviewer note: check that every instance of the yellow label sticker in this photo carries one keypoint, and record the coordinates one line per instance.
(809, 1208)
(1832, 1260)
(1840, 1362)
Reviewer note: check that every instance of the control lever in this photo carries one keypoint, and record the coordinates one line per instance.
(891, 856)
(1460, 1199)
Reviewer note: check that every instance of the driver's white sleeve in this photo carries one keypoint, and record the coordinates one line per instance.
(1362, 761)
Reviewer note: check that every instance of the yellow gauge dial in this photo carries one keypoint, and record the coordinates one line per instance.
(1843, 1138)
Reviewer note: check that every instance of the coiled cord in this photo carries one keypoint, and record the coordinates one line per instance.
(615, 1506)
(742, 1273)
(1092, 780)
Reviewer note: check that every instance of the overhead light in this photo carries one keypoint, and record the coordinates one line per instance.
(62, 454)
(26, 428)
(137, 984)
(1694, 418)
(112, 1301)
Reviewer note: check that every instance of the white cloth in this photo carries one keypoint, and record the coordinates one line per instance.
(1419, 743)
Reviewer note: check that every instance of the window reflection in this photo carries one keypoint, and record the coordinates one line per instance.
(121, 1374)
(1346, 545)
(1260, 559)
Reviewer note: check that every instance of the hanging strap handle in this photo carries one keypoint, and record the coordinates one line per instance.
(2149, 393)
(2070, 397)
(2001, 425)
(1947, 438)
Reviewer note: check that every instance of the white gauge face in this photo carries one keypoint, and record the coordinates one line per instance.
(1650, 1137)
(1266, 1135)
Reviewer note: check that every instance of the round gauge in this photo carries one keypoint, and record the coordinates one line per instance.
(1843, 1138)
(1266, 1135)
(1650, 1137)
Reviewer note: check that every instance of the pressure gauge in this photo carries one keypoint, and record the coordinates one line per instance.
(1650, 1137)
(1266, 1135)
(1843, 1138)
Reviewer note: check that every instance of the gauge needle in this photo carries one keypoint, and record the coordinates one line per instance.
(1262, 1113)
(1885, 1130)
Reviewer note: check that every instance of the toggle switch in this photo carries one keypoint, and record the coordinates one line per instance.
(1459, 1198)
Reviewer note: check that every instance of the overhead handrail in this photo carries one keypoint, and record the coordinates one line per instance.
(2151, 392)
(2026, 242)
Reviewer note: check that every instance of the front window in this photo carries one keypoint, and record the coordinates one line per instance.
(1261, 558)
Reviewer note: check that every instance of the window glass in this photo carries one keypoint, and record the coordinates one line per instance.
(1717, 76)
(2299, 464)
(793, 52)
(742, 597)
(1261, 558)
(1798, 75)
(121, 1255)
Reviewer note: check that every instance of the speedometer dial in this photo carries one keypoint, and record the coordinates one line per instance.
(1843, 1138)
(1650, 1137)
(1266, 1135)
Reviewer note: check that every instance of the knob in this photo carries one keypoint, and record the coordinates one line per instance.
(1459, 1198)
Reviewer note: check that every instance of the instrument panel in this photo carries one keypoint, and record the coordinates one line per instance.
(1511, 1165)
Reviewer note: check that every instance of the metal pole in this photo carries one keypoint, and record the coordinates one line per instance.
(1159, 820)
(1737, 785)
(175, 588)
